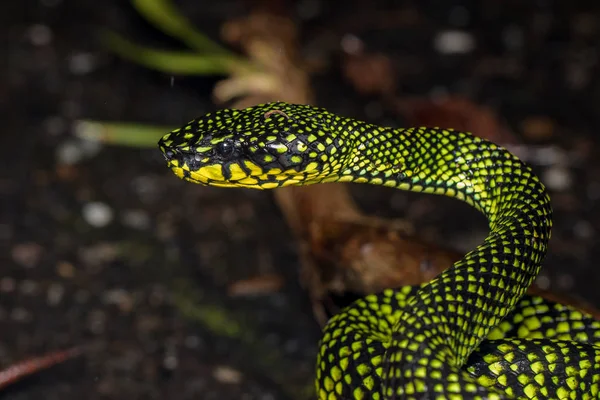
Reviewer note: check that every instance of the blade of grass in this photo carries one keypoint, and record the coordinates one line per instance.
(120, 134)
(167, 18)
(172, 62)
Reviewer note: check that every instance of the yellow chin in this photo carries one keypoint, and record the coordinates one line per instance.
(212, 175)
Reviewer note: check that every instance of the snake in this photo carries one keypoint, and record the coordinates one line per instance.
(472, 332)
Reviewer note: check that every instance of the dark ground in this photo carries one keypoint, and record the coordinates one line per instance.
(148, 286)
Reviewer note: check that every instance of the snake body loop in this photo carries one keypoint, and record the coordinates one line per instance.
(429, 344)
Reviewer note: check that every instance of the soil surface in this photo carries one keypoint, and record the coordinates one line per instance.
(105, 247)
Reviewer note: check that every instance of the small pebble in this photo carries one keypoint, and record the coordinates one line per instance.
(81, 63)
(583, 229)
(351, 44)
(65, 269)
(97, 321)
(454, 42)
(543, 282)
(225, 374)
(119, 297)
(557, 178)
(7, 285)
(28, 287)
(55, 294)
(136, 219)
(97, 214)
(69, 153)
(27, 254)
(19, 314)
(170, 362)
(40, 35)
(550, 155)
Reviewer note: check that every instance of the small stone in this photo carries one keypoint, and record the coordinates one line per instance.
(19, 314)
(7, 285)
(550, 155)
(55, 294)
(351, 44)
(136, 219)
(557, 178)
(97, 214)
(97, 321)
(454, 42)
(69, 153)
(27, 254)
(28, 287)
(119, 297)
(170, 362)
(225, 374)
(543, 282)
(40, 35)
(65, 269)
(81, 63)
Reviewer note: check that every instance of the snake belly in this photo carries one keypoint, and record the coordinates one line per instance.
(443, 339)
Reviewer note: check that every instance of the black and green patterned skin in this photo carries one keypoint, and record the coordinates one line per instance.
(432, 348)
(357, 339)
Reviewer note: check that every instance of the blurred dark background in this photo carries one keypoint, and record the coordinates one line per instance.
(105, 246)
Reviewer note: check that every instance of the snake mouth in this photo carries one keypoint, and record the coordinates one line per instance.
(241, 172)
(233, 176)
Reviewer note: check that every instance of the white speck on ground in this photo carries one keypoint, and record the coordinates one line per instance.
(454, 42)
(97, 214)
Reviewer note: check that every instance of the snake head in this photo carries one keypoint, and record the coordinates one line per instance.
(262, 147)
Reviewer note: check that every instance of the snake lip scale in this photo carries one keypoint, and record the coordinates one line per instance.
(470, 333)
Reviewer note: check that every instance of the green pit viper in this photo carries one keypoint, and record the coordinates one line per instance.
(470, 333)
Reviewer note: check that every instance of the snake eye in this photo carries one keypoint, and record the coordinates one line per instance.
(225, 148)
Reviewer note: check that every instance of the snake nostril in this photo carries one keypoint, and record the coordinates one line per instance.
(169, 154)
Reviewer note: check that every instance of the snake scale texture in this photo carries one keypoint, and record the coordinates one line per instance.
(470, 333)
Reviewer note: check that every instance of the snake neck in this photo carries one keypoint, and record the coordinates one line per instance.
(494, 181)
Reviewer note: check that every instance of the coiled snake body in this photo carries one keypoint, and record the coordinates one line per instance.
(423, 342)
